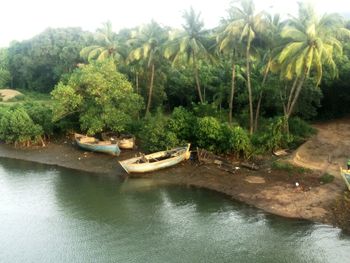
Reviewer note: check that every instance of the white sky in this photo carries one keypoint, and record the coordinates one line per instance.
(23, 19)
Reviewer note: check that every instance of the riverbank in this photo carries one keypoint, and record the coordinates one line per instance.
(272, 190)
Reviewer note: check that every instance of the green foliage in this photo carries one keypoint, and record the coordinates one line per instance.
(5, 75)
(41, 114)
(208, 133)
(101, 96)
(155, 135)
(273, 137)
(326, 178)
(16, 126)
(181, 123)
(300, 129)
(236, 140)
(38, 63)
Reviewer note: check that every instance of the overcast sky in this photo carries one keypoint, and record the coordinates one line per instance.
(23, 19)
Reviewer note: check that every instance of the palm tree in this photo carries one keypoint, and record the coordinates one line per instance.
(271, 39)
(108, 46)
(189, 44)
(312, 42)
(230, 45)
(246, 24)
(147, 45)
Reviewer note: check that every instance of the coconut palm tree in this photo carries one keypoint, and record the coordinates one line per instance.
(189, 44)
(245, 24)
(312, 43)
(107, 46)
(147, 46)
(271, 39)
(230, 46)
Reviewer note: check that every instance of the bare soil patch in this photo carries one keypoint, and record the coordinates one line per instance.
(7, 94)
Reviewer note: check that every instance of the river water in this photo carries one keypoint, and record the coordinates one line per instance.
(50, 214)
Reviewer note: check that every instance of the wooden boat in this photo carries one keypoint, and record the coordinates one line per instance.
(125, 141)
(95, 145)
(156, 161)
(346, 176)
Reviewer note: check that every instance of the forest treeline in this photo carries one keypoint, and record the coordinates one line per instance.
(244, 86)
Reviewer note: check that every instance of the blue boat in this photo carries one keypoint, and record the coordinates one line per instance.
(95, 145)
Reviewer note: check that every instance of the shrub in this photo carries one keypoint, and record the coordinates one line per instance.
(40, 114)
(208, 133)
(300, 129)
(17, 127)
(181, 123)
(236, 140)
(155, 135)
(273, 136)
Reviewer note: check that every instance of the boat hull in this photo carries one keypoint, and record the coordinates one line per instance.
(131, 165)
(345, 174)
(112, 149)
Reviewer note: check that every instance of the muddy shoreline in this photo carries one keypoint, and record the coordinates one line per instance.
(273, 191)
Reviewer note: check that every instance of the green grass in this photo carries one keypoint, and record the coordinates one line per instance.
(284, 166)
(326, 178)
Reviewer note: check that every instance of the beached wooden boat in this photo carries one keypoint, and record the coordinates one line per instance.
(346, 176)
(156, 161)
(95, 145)
(125, 141)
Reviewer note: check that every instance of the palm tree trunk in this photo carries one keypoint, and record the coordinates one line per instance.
(292, 93)
(150, 90)
(251, 121)
(257, 113)
(232, 93)
(195, 68)
(296, 96)
(137, 82)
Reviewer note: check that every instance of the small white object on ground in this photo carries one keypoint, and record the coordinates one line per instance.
(296, 184)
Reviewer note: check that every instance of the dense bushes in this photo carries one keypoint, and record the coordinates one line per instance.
(16, 126)
(159, 132)
(155, 134)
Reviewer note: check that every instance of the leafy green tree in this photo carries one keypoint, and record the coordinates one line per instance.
(312, 43)
(5, 75)
(147, 46)
(38, 63)
(101, 96)
(189, 45)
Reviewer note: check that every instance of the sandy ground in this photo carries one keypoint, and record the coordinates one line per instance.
(274, 191)
(7, 94)
(328, 150)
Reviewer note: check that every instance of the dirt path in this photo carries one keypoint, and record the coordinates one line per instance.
(328, 150)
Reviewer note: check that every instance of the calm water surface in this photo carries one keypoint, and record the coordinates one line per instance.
(49, 214)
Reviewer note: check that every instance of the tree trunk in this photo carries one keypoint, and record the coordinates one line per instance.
(296, 96)
(195, 68)
(232, 93)
(150, 90)
(257, 113)
(292, 93)
(137, 82)
(251, 119)
(293, 99)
